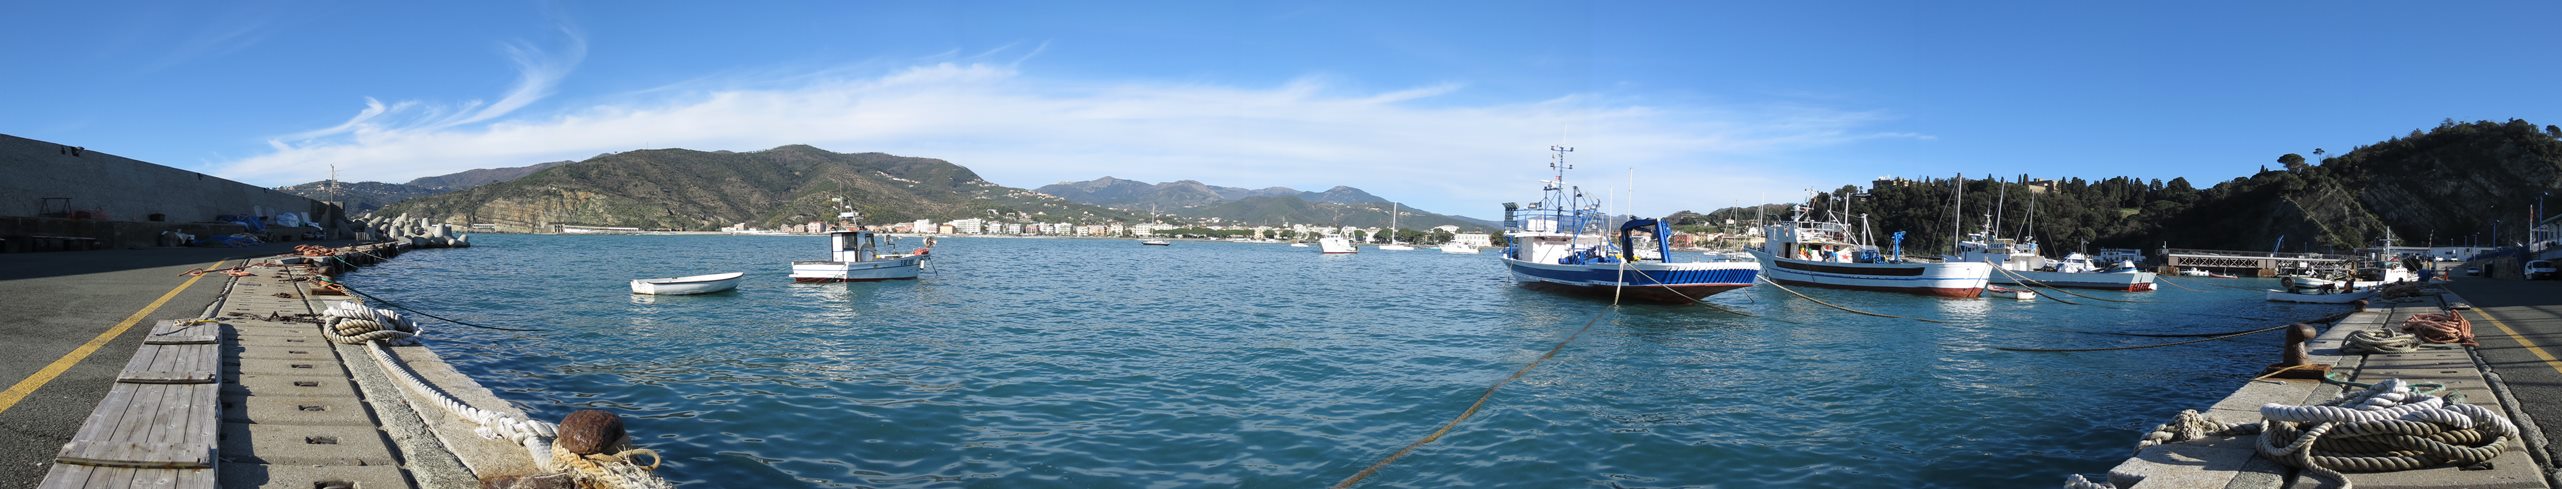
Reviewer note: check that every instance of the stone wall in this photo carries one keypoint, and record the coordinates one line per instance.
(115, 188)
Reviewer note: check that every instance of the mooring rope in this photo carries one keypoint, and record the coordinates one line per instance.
(353, 323)
(1783, 288)
(2334, 317)
(396, 305)
(1373, 469)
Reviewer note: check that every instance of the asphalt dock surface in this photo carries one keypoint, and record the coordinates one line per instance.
(53, 304)
(2510, 315)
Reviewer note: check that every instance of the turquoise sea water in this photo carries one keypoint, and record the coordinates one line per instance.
(1103, 363)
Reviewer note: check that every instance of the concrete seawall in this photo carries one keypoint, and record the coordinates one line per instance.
(113, 198)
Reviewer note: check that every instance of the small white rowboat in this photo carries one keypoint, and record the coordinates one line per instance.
(698, 284)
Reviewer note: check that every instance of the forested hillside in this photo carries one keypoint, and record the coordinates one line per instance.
(2448, 184)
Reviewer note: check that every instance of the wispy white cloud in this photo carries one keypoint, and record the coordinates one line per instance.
(538, 72)
(221, 35)
(1022, 129)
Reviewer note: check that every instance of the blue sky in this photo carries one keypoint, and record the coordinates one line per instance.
(1445, 105)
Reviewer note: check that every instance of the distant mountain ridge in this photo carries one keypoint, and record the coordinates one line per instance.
(370, 196)
(480, 176)
(1341, 205)
(683, 189)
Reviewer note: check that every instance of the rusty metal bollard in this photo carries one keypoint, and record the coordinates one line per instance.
(2296, 361)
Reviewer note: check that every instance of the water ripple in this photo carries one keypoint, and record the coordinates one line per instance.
(1103, 363)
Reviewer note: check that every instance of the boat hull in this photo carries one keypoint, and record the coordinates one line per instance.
(1668, 283)
(2131, 282)
(698, 284)
(1947, 279)
(905, 268)
(2331, 298)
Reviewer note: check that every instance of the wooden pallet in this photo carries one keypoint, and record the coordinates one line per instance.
(157, 426)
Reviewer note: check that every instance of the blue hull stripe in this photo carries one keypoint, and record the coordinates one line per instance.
(1610, 276)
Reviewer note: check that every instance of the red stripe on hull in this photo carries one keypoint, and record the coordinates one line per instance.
(1658, 294)
(1965, 293)
(806, 280)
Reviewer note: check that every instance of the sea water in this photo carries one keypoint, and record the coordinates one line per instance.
(1104, 363)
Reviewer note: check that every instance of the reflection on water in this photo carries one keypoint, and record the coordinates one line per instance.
(1105, 363)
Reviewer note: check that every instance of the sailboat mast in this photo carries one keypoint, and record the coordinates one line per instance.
(2001, 198)
(1958, 226)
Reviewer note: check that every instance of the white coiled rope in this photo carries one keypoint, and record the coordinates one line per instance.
(352, 323)
(2384, 428)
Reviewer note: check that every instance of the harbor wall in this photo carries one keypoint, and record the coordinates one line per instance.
(113, 199)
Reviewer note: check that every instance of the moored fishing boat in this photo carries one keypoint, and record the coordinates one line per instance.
(1826, 253)
(2019, 263)
(1563, 243)
(687, 285)
(1157, 242)
(1458, 249)
(855, 257)
(1336, 245)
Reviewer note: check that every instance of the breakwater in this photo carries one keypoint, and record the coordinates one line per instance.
(108, 201)
(316, 389)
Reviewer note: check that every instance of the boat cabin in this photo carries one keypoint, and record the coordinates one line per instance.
(853, 246)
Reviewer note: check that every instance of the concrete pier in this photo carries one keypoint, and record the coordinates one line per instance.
(283, 405)
(2233, 462)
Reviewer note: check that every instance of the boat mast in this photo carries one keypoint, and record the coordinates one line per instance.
(1957, 227)
(2000, 198)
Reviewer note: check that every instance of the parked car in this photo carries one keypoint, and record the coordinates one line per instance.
(2539, 270)
(2473, 271)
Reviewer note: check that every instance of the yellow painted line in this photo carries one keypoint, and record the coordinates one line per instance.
(19, 392)
(2539, 352)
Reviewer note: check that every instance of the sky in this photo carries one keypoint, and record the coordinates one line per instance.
(1447, 106)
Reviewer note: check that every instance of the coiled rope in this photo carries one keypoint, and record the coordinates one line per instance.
(2385, 427)
(2382, 429)
(1793, 292)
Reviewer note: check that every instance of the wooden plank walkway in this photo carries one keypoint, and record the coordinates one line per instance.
(158, 425)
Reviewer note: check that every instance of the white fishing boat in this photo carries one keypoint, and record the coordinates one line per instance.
(2195, 272)
(855, 256)
(1458, 249)
(1336, 245)
(2018, 262)
(1156, 242)
(1563, 242)
(1395, 247)
(1295, 244)
(688, 285)
(2319, 297)
(1827, 253)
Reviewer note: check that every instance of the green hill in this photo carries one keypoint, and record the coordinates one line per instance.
(1272, 206)
(2444, 185)
(697, 190)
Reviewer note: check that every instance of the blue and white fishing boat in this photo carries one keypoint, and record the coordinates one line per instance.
(1565, 243)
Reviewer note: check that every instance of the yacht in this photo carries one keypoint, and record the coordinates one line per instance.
(2020, 264)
